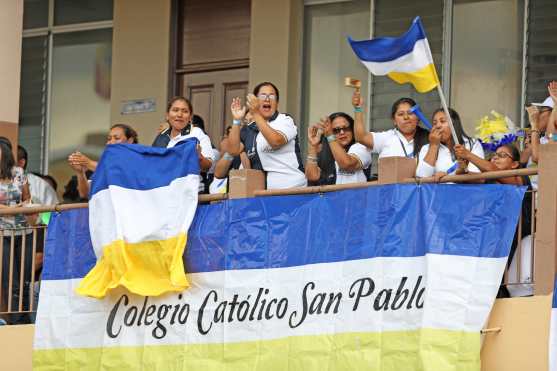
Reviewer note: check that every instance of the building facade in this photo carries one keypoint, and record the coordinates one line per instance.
(85, 65)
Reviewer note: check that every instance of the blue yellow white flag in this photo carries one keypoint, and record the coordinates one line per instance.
(404, 59)
(142, 202)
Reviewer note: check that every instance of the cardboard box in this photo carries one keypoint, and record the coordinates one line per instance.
(396, 169)
(243, 183)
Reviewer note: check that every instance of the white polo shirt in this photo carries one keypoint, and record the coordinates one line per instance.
(445, 160)
(282, 165)
(364, 155)
(392, 143)
(204, 143)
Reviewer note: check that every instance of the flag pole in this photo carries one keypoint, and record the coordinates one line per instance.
(447, 114)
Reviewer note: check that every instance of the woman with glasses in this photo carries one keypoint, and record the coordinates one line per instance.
(441, 156)
(334, 157)
(404, 140)
(270, 141)
(507, 157)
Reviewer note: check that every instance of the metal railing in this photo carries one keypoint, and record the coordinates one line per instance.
(21, 252)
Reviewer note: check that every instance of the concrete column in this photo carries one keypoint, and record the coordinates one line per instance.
(276, 49)
(11, 29)
(140, 62)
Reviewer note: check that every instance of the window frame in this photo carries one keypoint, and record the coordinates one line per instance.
(49, 32)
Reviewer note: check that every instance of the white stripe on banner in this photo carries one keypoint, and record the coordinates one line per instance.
(371, 295)
(143, 215)
(412, 62)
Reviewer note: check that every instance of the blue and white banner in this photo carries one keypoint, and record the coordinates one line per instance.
(397, 277)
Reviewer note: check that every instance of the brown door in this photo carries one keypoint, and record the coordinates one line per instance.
(211, 94)
(213, 58)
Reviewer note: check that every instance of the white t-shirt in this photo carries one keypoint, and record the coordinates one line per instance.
(364, 155)
(204, 143)
(445, 160)
(41, 192)
(282, 165)
(392, 143)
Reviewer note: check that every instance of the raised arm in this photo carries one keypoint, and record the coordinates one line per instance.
(463, 153)
(360, 133)
(533, 117)
(313, 171)
(238, 113)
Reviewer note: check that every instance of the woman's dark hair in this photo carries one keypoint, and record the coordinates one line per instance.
(129, 132)
(7, 161)
(515, 153)
(457, 124)
(178, 98)
(49, 178)
(266, 83)
(400, 101)
(198, 122)
(326, 161)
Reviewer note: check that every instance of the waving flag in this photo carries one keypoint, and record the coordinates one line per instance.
(404, 59)
(142, 202)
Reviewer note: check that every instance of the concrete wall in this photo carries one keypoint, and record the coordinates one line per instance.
(140, 61)
(276, 49)
(11, 28)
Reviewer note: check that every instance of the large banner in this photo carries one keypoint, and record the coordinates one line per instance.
(397, 277)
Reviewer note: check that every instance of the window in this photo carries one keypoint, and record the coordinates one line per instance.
(486, 70)
(542, 48)
(328, 58)
(65, 81)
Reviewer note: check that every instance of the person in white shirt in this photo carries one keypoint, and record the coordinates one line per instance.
(438, 158)
(333, 155)
(404, 140)
(179, 116)
(272, 145)
(42, 192)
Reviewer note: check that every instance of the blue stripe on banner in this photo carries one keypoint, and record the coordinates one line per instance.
(385, 49)
(285, 231)
(135, 166)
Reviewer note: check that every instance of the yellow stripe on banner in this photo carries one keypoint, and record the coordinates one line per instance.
(418, 350)
(148, 268)
(423, 80)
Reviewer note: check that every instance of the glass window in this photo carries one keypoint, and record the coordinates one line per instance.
(32, 101)
(71, 11)
(80, 106)
(542, 48)
(487, 59)
(393, 18)
(35, 14)
(329, 59)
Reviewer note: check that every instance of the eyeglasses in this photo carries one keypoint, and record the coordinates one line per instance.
(263, 96)
(344, 129)
(502, 155)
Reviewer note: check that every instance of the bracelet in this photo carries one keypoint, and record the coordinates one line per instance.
(535, 131)
(331, 138)
(236, 122)
(227, 156)
(312, 158)
(358, 109)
